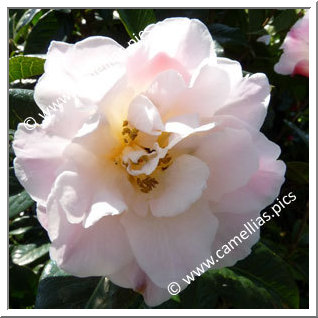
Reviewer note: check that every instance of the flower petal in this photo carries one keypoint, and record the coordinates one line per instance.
(179, 186)
(87, 78)
(176, 43)
(143, 115)
(99, 250)
(183, 242)
(37, 155)
(227, 172)
(161, 94)
(230, 226)
(86, 198)
(208, 93)
(248, 100)
(133, 277)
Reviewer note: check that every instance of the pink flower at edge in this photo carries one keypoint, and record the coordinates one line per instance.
(154, 162)
(295, 58)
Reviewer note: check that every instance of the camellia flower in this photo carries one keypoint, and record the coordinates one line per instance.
(153, 162)
(295, 58)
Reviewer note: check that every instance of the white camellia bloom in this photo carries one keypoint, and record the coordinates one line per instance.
(155, 160)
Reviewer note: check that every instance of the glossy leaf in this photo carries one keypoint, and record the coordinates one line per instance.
(26, 254)
(227, 36)
(60, 290)
(237, 290)
(22, 25)
(25, 67)
(53, 25)
(285, 20)
(22, 106)
(14, 185)
(275, 277)
(136, 20)
(19, 203)
(107, 295)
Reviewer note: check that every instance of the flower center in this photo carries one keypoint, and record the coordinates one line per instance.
(143, 163)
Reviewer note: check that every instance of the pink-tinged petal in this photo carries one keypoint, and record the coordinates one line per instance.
(295, 57)
(38, 158)
(97, 64)
(248, 100)
(161, 94)
(99, 250)
(71, 195)
(259, 192)
(40, 151)
(294, 51)
(179, 186)
(300, 29)
(176, 43)
(133, 277)
(227, 172)
(41, 215)
(263, 185)
(230, 226)
(87, 198)
(169, 248)
(302, 68)
(181, 130)
(143, 115)
(208, 92)
(233, 69)
(105, 202)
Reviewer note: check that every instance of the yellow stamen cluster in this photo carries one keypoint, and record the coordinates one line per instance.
(165, 162)
(147, 184)
(131, 133)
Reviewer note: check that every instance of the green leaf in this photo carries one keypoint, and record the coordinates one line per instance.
(25, 67)
(14, 185)
(256, 18)
(236, 290)
(22, 106)
(267, 270)
(53, 25)
(107, 295)
(285, 20)
(27, 223)
(24, 22)
(26, 18)
(57, 289)
(298, 172)
(19, 203)
(12, 26)
(28, 253)
(22, 287)
(136, 20)
(227, 36)
(52, 270)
